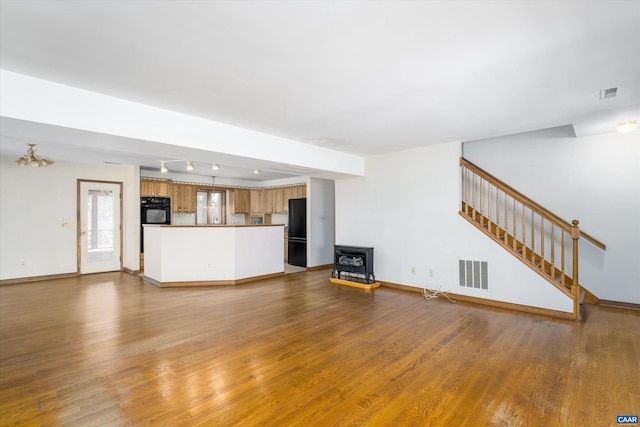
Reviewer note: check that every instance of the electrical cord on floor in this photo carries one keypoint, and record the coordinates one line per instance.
(434, 294)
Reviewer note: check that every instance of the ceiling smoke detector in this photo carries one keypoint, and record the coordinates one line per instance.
(608, 93)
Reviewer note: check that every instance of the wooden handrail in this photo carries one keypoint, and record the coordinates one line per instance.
(527, 201)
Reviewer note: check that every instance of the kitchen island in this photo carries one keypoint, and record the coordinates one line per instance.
(210, 255)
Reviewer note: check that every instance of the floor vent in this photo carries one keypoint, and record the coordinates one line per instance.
(473, 274)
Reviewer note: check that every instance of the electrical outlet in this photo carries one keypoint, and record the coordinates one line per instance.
(413, 270)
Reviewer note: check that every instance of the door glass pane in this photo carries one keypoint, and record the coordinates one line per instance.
(216, 207)
(201, 207)
(100, 222)
(209, 207)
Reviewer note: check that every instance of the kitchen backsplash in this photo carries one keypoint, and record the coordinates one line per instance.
(183, 219)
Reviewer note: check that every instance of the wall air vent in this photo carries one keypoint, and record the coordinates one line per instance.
(608, 93)
(473, 274)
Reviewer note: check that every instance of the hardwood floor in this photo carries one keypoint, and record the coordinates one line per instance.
(108, 349)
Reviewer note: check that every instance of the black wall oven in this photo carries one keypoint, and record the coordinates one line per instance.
(153, 210)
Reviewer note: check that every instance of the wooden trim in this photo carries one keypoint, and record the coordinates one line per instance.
(320, 267)
(620, 304)
(79, 182)
(148, 279)
(401, 287)
(513, 306)
(256, 278)
(525, 200)
(37, 278)
(150, 178)
(488, 302)
(208, 283)
(365, 286)
(78, 228)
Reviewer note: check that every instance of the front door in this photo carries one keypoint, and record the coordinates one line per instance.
(99, 231)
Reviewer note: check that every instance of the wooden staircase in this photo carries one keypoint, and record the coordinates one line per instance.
(534, 235)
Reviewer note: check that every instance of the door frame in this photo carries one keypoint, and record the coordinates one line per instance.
(79, 220)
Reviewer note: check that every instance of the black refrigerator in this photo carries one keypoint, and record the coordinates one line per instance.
(297, 253)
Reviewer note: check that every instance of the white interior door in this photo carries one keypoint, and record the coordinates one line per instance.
(100, 231)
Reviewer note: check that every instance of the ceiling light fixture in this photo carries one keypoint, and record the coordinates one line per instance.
(190, 165)
(627, 126)
(32, 159)
(256, 171)
(163, 167)
(215, 166)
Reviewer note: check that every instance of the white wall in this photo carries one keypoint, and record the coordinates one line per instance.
(406, 207)
(594, 179)
(94, 112)
(34, 203)
(321, 221)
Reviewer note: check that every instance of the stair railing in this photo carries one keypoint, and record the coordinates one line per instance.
(541, 239)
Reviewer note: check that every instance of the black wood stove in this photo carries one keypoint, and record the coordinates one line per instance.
(353, 263)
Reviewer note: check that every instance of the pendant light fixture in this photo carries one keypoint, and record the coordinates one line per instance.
(215, 166)
(32, 159)
(190, 165)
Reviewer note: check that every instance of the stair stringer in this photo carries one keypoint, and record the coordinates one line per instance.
(524, 260)
(540, 296)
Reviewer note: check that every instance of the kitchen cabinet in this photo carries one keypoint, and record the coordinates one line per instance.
(274, 200)
(239, 200)
(295, 192)
(184, 198)
(257, 201)
(155, 188)
(289, 193)
(264, 201)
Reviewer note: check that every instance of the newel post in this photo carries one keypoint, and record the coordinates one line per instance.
(575, 286)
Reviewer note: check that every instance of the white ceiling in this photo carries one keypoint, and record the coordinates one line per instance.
(360, 77)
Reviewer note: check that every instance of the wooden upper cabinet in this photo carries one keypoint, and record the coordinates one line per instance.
(239, 200)
(189, 198)
(295, 192)
(155, 188)
(289, 193)
(184, 198)
(274, 200)
(176, 200)
(257, 201)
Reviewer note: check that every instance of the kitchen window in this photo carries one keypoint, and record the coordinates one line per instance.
(210, 208)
